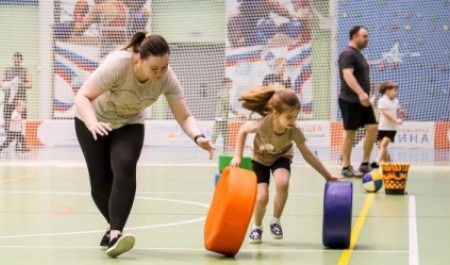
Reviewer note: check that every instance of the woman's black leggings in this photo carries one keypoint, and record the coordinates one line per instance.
(111, 161)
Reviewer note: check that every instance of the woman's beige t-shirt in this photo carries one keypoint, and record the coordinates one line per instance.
(125, 98)
(269, 146)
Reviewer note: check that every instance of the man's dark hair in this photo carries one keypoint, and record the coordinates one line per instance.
(355, 31)
(18, 55)
(226, 80)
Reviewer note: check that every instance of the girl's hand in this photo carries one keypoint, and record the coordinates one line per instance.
(236, 161)
(207, 145)
(100, 128)
(399, 121)
(334, 178)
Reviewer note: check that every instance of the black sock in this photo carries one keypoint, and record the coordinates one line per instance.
(364, 163)
(344, 168)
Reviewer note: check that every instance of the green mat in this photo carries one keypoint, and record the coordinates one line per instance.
(224, 161)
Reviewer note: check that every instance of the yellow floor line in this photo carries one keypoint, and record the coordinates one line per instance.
(346, 254)
(12, 179)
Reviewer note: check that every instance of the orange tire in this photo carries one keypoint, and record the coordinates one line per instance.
(230, 211)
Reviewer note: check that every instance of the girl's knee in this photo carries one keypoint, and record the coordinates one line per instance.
(262, 198)
(282, 180)
(283, 186)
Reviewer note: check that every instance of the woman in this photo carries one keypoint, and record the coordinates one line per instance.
(110, 126)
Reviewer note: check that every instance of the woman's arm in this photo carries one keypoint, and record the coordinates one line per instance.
(189, 124)
(87, 93)
(184, 117)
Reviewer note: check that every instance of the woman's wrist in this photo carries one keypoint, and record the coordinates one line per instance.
(201, 135)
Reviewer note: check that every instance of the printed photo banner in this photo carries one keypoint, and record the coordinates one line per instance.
(79, 47)
(270, 44)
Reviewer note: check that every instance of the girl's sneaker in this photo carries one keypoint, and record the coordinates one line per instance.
(276, 231)
(256, 236)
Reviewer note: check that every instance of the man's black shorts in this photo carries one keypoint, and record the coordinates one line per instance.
(355, 115)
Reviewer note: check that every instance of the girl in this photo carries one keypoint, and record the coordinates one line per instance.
(109, 125)
(273, 150)
(15, 129)
(389, 109)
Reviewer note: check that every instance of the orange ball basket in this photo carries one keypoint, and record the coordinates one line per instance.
(395, 176)
(230, 211)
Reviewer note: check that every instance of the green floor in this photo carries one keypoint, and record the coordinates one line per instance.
(48, 217)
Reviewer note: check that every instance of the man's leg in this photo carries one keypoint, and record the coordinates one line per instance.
(347, 146)
(351, 118)
(371, 126)
(369, 141)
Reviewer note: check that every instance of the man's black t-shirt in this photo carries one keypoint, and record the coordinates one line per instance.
(352, 58)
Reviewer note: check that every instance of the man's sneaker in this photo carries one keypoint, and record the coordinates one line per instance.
(364, 168)
(256, 236)
(277, 232)
(349, 172)
(120, 244)
(104, 243)
(374, 165)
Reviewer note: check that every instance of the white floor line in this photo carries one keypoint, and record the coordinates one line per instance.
(184, 222)
(413, 242)
(256, 249)
(78, 164)
(50, 192)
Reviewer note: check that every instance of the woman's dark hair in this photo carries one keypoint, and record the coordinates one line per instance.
(148, 45)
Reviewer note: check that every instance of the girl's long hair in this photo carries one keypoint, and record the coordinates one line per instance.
(264, 100)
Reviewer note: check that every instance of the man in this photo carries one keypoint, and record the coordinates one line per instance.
(16, 79)
(354, 101)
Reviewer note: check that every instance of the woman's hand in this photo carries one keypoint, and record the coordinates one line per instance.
(100, 128)
(207, 145)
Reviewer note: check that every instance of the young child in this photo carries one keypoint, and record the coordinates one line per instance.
(390, 111)
(273, 150)
(15, 129)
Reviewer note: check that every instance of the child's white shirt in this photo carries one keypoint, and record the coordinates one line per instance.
(16, 122)
(391, 106)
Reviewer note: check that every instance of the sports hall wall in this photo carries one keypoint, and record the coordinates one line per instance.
(408, 43)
